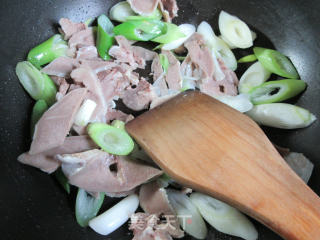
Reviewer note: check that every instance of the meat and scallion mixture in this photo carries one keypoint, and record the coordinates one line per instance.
(80, 78)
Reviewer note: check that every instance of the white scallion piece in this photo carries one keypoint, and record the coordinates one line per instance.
(85, 112)
(116, 216)
(121, 11)
(235, 31)
(254, 76)
(188, 215)
(231, 46)
(240, 102)
(281, 115)
(217, 45)
(223, 217)
(187, 30)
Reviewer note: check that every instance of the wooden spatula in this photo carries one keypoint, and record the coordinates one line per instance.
(212, 148)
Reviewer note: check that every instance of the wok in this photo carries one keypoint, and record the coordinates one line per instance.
(32, 204)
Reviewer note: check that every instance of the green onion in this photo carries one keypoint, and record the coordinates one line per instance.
(36, 83)
(47, 51)
(276, 62)
(164, 62)
(156, 15)
(87, 207)
(105, 37)
(276, 91)
(37, 111)
(223, 217)
(142, 30)
(246, 59)
(63, 180)
(121, 11)
(118, 124)
(89, 21)
(189, 217)
(254, 76)
(172, 33)
(111, 139)
(281, 115)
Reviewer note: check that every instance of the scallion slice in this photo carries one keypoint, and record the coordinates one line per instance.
(87, 207)
(62, 179)
(47, 51)
(36, 83)
(276, 62)
(172, 33)
(111, 139)
(276, 91)
(105, 37)
(37, 111)
(281, 115)
(249, 58)
(164, 62)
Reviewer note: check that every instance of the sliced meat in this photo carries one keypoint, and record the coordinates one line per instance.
(147, 227)
(169, 9)
(133, 55)
(173, 76)
(154, 200)
(63, 89)
(68, 28)
(54, 125)
(114, 114)
(156, 68)
(98, 171)
(143, 54)
(90, 80)
(138, 98)
(160, 87)
(61, 67)
(143, 7)
(81, 39)
(160, 100)
(99, 66)
(200, 55)
(46, 161)
(120, 194)
(300, 164)
(88, 52)
(200, 65)
(227, 86)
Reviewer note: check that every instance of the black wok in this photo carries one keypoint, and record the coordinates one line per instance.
(32, 204)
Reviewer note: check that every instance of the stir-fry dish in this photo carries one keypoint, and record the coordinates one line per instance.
(87, 83)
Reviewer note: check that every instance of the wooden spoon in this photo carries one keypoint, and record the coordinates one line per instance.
(212, 148)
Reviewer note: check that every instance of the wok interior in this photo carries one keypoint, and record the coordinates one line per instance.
(33, 205)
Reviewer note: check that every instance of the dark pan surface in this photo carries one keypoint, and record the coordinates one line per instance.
(32, 205)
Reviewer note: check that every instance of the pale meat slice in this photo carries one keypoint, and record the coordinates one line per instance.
(227, 86)
(154, 200)
(133, 55)
(156, 68)
(63, 89)
(143, 7)
(147, 227)
(90, 80)
(169, 9)
(114, 114)
(88, 52)
(68, 28)
(173, 76)
(46, 161)
(138, 98)
(98, 171)
(54, 125)
(60, 67)
(81, 39)
(200, 55)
